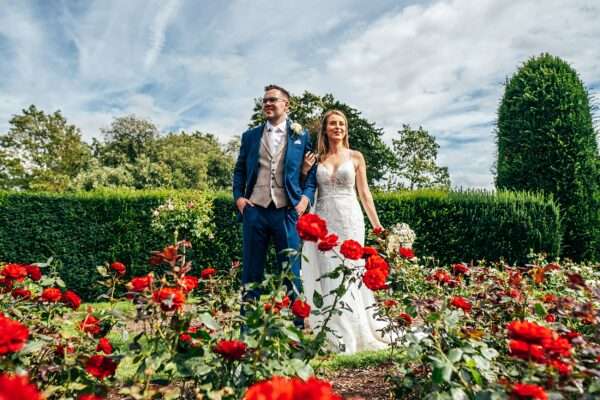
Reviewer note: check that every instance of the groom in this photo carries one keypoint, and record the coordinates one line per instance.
(268, 191)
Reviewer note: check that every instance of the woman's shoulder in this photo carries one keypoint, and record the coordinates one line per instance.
(357, 157)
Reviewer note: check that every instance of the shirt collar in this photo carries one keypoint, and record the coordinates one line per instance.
(277, 128)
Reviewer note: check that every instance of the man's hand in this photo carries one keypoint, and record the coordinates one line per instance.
(241, 203)
(302, 205)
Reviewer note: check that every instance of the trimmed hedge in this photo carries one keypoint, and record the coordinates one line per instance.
(83, 230)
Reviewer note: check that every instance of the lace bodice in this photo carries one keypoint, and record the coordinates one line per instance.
(340, 182)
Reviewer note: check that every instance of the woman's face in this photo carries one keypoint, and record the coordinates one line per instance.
(336, 128)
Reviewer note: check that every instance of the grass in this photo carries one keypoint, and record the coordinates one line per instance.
(355, 361)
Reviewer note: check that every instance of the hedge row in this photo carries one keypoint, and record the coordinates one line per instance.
(84, 230)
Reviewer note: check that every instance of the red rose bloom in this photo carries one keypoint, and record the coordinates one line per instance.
(207, 273)
(169, 298)
(406, 252)
(559, 347)
(51, 295)
(90, 324)
(188, 283)
(118, 267)
(563, 368)
(13, 335)
(389, 303)
(406, 318)
(13, 387)
(140, 283)
(284, 303)
(570, 336)
(300, 309)
(328, 242)
(100, 366)
(185, 337)
(369, 251)
(375, 279)
(550, 318)
(528, 392)
(71, 299)
(311, 227)
(20, 293)
(231, 350)
(351, 249)
(460, 269)
(440, 276)
(16, 272)
(377, 262)
(378, 231)
(550, 298)
(34, 272)
(104, 346)
(281, 388)
(528, 331)
(527, 352)
(462, 303)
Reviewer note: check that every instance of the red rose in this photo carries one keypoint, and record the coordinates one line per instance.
(188, 283)
(389, 303)
(89, 396)
(90, 324)
(515, 278)
(527, 352)
(378, 230)
(118, 267)
(462, 303)
(34, 272)
(13, 387)
(515, 294)
(284, 303)
(20, 293)
(406, 252)
(231, 350)
(550, 298)
(440, 276)
(406, 318)
(328, 242)
(377, 262)
(528, 331)
(140, 283)
(351, 249)
(13, 335)
(311, 227)
(460, 269)
(375, 279)
(206, 273)
(185, 337)
(300, 309)
(570, 336)
(15, 272)
(528, 392)
(559, 347)
(369, 251)
(104, 346)
(71, 299)
(550, 318)
(563, 368)
(100, 366)
(169, 298)
(282, 388)
(51, 295)
(61, 350)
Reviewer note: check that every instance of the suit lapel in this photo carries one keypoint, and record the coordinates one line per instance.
(256, 140)
(288, 150)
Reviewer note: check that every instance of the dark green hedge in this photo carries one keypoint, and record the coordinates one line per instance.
(84, 230)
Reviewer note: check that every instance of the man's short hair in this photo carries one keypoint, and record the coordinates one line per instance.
(282, 90)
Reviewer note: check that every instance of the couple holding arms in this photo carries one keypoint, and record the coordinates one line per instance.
(275, 180)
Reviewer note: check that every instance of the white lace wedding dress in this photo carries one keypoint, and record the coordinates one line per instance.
(338, 204)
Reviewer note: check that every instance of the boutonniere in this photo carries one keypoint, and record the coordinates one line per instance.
(296, 129)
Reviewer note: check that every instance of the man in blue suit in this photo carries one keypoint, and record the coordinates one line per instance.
(268, 190)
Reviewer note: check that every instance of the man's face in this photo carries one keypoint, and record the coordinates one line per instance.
(274, 104)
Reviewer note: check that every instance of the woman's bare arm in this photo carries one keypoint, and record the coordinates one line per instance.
(362, 187)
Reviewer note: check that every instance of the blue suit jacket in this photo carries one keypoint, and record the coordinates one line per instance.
(246, 167)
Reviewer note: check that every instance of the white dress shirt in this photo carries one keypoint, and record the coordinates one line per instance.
(275, 135)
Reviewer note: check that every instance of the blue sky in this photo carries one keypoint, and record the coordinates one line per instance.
(199, 64)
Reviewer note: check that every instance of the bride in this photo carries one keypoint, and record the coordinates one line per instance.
(341, 172)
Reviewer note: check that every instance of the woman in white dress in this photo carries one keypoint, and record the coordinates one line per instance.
(341, 173)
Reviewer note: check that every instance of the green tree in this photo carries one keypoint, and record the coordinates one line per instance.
(127, 139)
(364, 136)
(41, 152)
(415, 165)
(546, 142)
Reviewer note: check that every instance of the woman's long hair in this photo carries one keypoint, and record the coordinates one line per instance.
(322, 140)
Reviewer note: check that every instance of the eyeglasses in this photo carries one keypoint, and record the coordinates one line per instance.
(269, 100)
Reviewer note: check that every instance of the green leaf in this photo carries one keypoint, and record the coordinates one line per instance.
(317, 299)
(442, 373)
(455, 355)
(540, 310)
(458, 394)
(209, 321)
(291, 334)
(489, 352)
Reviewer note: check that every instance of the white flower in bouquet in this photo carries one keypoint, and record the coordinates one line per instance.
(400, 236)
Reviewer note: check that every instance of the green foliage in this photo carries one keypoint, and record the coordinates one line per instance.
(416, 161)
(364, 136)
(84, 230)
(41, 152)
(546, 142)
(465, 226)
